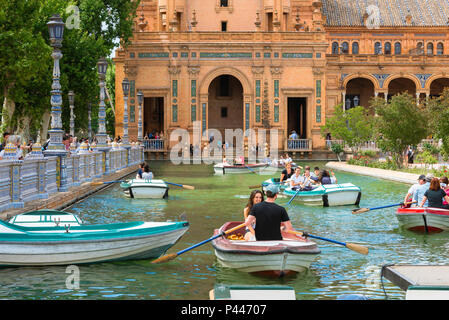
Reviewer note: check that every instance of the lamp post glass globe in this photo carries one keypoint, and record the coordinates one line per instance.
(140, 97)
(71, 97)
(125, 86)
(55, 28)
(102, 66)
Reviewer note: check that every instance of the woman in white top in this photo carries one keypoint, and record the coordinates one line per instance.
(147, 174)
(297, 179)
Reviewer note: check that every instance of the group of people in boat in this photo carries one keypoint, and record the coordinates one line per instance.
(144, 172)
(429, 192)
(308, 180)
(272, 218)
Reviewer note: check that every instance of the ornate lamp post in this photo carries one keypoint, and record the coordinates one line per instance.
(55, 146)
(101, 135)
(139, 123)
(125, 87)
(89, 119)
(56, 30)
(72, 115)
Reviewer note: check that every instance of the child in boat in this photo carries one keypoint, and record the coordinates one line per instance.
(256, 196)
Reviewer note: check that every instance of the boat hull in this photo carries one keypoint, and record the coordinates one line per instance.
(141, 189)
(274, 258)
(238, 169)
(328, 195)
(81, 245)
(430, 220)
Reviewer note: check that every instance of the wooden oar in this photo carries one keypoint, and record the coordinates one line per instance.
(362, 210)
(185, 186)
(352, 246)
(172, 256)
(99, 183)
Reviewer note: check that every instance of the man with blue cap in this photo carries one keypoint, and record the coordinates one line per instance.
(269, 217)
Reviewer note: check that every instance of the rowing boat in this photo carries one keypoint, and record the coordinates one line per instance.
(328, 195)
(64, 244)
(274, 258)
(223, 168)
(425, 219)
(145, 189)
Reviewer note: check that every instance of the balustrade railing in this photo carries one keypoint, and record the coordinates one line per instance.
(38, 177)
(299, 144)
(154, 145)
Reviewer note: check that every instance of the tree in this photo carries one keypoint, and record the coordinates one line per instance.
(353, 126)
(26, 64)
(400, 123)
(438, 109)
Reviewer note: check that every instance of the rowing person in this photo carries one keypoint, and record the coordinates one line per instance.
(269, 217)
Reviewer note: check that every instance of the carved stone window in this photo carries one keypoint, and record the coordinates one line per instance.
(221, 5)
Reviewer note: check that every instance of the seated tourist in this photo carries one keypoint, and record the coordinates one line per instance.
(297, 180)
(286, 173)
(435, 195)
(147, 174)
(326, 178)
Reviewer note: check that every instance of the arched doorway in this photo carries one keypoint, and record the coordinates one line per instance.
(437, 86)
(359, 91)
(400, 85)
(225, 104)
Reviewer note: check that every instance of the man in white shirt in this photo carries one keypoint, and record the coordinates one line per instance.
(413, 188)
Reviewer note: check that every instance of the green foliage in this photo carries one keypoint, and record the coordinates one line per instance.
(430, 148)
(400, 123)
(368, 153)
(426, 157)
(27, 65)
(438, 109)
(353, 126)
(337, 148)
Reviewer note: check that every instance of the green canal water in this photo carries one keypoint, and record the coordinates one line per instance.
(215, 200)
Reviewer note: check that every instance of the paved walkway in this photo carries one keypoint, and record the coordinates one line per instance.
(409, 178)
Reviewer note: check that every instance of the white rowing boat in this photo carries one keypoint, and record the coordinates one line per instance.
(328, 195)
(145, 189)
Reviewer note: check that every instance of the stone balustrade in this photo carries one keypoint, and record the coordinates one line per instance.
(37, 177)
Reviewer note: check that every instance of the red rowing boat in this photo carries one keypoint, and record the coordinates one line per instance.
(426, 219)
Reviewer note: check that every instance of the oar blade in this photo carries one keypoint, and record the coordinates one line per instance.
(255, 187)
(97, 183)
(357, 248)
(165, 258)
(188, 187)
(361, 210)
